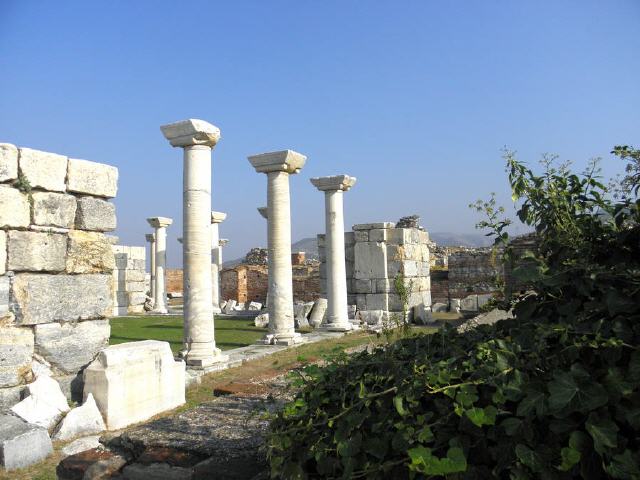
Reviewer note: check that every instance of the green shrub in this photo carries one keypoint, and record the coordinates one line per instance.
(553, 393)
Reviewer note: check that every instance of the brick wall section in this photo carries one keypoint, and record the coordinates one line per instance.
(56, 263)
(173, 278)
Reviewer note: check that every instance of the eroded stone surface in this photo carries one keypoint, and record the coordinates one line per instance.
(54, 209)
(58, 343)
(8, 162)
(83, 420)
(15, 211)
(36, 251)
(44, 169)
(39, 298)
(318, 313)
(3, 254)
(45, 404)
(89, 252)
(16, 350)
(22, 444)
(92, 178)
(95, 214)
(82, 445)
(94, 464)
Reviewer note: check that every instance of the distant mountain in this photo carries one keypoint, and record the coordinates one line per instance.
(446, 239)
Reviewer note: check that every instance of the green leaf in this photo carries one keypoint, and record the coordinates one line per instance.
(603, 431)
(570, 457)
(533, 402)
(624, 465)
(529, 458)
(398, 403)
(511, 425)
(423, 461)
(575, 391)
(482, 416)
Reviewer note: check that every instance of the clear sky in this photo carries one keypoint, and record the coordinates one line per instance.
(414, 98)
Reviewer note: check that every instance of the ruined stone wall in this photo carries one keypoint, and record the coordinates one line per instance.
(375, 253)
(56, 266)
(440, 286)
(474, 271)
(129, 280)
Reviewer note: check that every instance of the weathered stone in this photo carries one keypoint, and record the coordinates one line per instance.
(6, 317)
(22, 444)
(45, 405)
(239, 307)
(488, 318)
(43, 169)
(301, 322)
(372, 317)
(54, 209)
(92, 178)
(94, 464)
(95, 214)
(422, 315)
(9, 396)
(8, 162)
(15, 211)
(132, 382)
(16, 350)
(39, 298)
(351, 311)
(469, 304)
(3, 254)
(89, 252)
(83, 420)
(81, 445)
(230, 306)
(262, 320)
(371, 226)
(318, 312)
(71, 346)
(156, 471)
(36, 252)
(255, 306)
(371, 260)
(439, 307)
(454, 305)
(72, 386)
(363, 285)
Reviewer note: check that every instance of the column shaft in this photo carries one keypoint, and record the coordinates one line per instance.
(215, 267)
(152, 259)
(160, 294)
(337, 316)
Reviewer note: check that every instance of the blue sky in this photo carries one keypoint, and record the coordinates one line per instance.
(415, 98)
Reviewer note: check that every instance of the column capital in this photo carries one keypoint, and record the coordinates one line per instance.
(187, 133)
(150, 237)
(218, 217)
(282, 161)
(333, 183)
(159, 222)
(263, 211)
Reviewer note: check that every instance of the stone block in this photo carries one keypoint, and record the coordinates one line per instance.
(83, 420)
(318, 313)
(89, 252)
(45, 405)
(71, 346)
(22, 444)
(377, 301)
(410, 268)
(371, 260)
(16, 351)
(255, 306)
(15, 211)
(54, 209)
(36, 251)
(3, 253)
(372, 317)
(469, 304)
(8, 162)
(361, 301)
(371, 226)
(136, 298)
(422, 315)
(43, 169)
(439, 307)
(92, 178)
(134, 381)
(5, 288)
(135, 309)
(378, 235)
(9, 396)
(395, 302)
(40, 298)
(351, 312)
(402, 236)
(81, 445)
(71, 386)
(363, 286)
(230, 306)
(262, 320)
(383, 285)
(95, 214)
(483, 299)
(361, 236)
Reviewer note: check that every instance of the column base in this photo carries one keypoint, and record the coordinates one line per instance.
(337, 327)
(199, 361)
(159, 311)
(282, 339)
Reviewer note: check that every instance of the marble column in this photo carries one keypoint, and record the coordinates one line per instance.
(216, 256)
(278, 166)
(160, 288)
(197, 138)
(151, 238)
(333, 188)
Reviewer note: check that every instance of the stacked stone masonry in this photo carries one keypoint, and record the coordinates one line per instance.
(375, 254)
(55, 266)
(129, 284)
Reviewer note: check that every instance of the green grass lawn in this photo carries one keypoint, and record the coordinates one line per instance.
(230, 333)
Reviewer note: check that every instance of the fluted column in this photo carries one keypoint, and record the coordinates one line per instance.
(278, 166)
(197, 138)
(160, 289)
(151, 238)
(333, 188)
(216, 255)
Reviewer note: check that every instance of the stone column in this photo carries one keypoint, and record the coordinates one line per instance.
(333, 188)
(151, 238)
(278, 166)
(197, 138)
(159, 289)
(216, 263)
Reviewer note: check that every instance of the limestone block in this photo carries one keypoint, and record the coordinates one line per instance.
(395, 302)
(371, 226)
(454, 305)
(45, 404)
(133, 286)
(134, 381)
(134, 275)
(372, 317)
(377, 235)
(255, 306)
(83, 420)
(439, 307)
(3, 254)
(262, 320)
(40, 298)
(71, 346)
(384, 285)
(301, 311)
(135, 309)
(15, 211)
(230, 306)
(43, 169)
(36, 251)
(483, 299)
(422, 315)
(371, 260)
(469, 304)
(95, 214)
(349, 239)
(377, 301)
(136, 298)
(349, 254)
(16, 350)
(54, 209)
(317, 316)
(9, 396)
(361, 236)
(22, 444)
(89, 252)
(8, 162)
(239, 307)
(402, 236)
(92, 178)
(361, 301)
(351, 312)
(81, 445)
(363, 286)
(71, 386)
